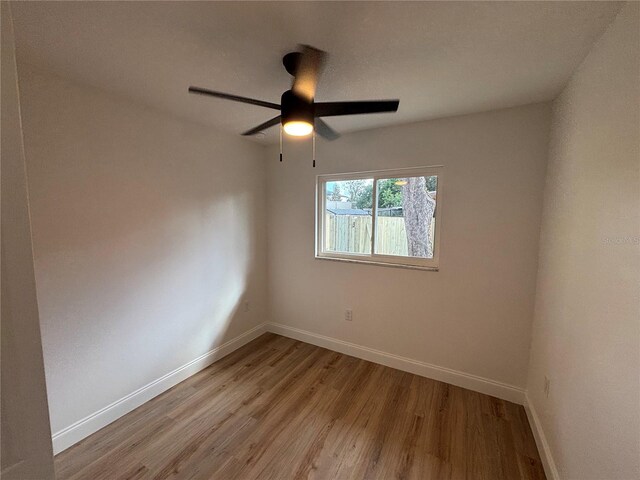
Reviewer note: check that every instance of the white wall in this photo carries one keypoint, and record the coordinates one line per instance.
(475, 314)
(148, 234)
(587, 318)
(26, 438)
(150, 231)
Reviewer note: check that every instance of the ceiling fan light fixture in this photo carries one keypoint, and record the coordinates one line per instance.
(300, 115)
(298, 128)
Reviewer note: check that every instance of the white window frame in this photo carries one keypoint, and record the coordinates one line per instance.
(376, 258)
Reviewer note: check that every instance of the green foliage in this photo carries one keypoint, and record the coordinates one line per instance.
(354, 188)
(389, 194)
(334, 196)
(363, 197)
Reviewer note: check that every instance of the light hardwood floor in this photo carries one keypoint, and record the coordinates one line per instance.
(282, 409)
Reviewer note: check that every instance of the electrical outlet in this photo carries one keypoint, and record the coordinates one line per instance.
(547, 386)
(245, 306)
(348, 315)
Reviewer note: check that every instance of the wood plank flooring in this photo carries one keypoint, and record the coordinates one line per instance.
(282, 409)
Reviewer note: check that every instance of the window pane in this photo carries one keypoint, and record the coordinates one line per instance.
(347, 227)
(405, 223)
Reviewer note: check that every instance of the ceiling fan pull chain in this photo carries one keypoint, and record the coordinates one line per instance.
(281, 142)
(313, 141)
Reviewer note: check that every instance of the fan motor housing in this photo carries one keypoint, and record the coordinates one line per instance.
(296, 109)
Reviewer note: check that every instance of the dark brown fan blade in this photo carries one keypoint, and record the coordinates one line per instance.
(263, 126)
(332, 109)
(325, 130)
(308, 72)
(235, 98)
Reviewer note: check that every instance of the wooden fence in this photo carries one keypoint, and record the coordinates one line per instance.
(348, 233)
(352, 233)
(392, 236)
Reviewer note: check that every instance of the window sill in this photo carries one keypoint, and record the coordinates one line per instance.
(380, 264)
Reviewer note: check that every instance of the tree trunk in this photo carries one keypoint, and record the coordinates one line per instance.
(418, 207)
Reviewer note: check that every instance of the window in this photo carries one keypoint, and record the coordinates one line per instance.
(385, 217)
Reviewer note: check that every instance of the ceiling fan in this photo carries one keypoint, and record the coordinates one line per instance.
(299, 113)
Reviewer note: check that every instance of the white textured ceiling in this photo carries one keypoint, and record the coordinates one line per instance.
(439, 58)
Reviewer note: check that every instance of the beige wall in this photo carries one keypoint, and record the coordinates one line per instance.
(587, 321)
(474, 315)
(148, 235)
(26, 438)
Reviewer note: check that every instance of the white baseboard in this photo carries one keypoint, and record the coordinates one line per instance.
(454, 377)
(72, 434)
(81, 429)
(548, 463)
